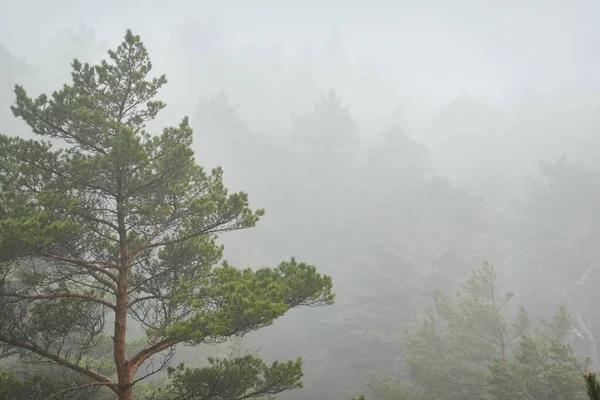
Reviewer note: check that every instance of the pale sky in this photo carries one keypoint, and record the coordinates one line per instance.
(491, 47)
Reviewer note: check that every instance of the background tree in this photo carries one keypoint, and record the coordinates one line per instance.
(239, 376)
(542, 367)
(13, 71)
(123, 222)
(221, 128)
(35, 388)
(449, 354)
(592, 385)
(469, 349)
(557, 224)
(325, 144)
(329, 129)
(397, 155)
(417, 232)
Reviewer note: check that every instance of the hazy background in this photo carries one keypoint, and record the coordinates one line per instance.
(413, 58)
(481, 92)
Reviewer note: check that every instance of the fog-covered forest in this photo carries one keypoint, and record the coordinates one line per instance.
(313, 201)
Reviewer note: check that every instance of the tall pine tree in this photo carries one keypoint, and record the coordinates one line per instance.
(102, 218)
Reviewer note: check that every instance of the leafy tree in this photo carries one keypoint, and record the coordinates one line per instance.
(392, 388)
(248, 158)
(227, 142)
(449, 353)
(26, 377)
(219, 120)
(29, 375)
(121, 222)
(245, 377)
(435, 230)
(470, 350)
(240, 375)
(543, 367)
(325, 143)
(558, 227)
(323, 164)
(36, 388)
(592, 385)
(13, 70)
(329, 129)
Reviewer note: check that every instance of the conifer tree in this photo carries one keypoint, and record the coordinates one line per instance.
(104, 221)
(470, 349)
(592, 386)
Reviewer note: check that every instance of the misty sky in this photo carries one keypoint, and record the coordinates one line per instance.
(437, 48)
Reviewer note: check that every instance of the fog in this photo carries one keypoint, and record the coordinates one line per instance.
(396, 148)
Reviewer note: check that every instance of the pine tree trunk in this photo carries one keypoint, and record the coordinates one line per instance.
(126, 394)
(123, 369)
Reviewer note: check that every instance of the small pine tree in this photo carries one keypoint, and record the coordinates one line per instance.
(593, 387)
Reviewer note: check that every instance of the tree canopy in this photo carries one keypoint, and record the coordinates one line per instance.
(105, 221)
(471, 349)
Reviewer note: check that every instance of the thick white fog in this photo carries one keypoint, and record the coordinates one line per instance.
(428, 160)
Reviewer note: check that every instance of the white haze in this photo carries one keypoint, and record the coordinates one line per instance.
(491, 87)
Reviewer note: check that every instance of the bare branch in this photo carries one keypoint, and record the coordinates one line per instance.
(209, 230)
(139, 358)
(61, 361)
(56, 296)
(99, 221)
(92, 265)
(80, 387)
(164, 364)
(140, 299)
(9, 353)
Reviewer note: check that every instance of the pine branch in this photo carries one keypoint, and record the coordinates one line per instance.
(77, 388)
(61, 361)
(593, 388)
(56, 296)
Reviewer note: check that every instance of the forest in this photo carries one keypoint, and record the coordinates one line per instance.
(202, 259)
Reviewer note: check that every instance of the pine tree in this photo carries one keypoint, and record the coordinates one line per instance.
(592, 386)
(542, 366)
(103, 219)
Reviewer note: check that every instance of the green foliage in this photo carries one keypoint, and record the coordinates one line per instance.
(470, 350)
(430, 238)
(542, 366)
(592, 386)
(391, 388)
(29, 374)
(34, 381)
(248, 299)
(35, 389)
(240, 375)
(102, 217)
(238, 378)
(449, 353)
(559, 228)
